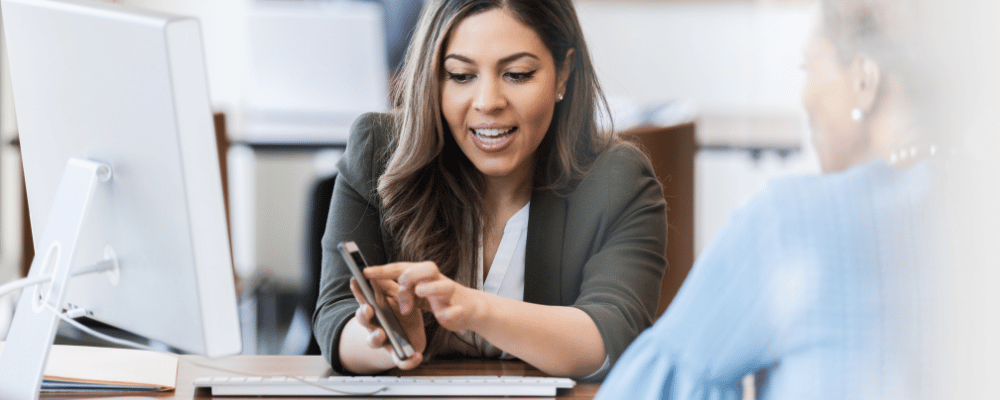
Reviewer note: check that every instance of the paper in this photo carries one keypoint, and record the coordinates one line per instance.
(78, 369)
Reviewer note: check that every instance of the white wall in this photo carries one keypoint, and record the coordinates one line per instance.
(727, 56)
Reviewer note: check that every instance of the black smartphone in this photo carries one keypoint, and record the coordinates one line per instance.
(386, 317)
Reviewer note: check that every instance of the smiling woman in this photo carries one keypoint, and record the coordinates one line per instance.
(505, 223)
(498, 100)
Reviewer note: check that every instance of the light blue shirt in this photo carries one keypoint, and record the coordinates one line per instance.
(817, 286)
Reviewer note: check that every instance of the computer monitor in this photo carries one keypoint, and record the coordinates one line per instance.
(120, 163)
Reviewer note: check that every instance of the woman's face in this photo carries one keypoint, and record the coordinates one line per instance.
(829, 98)
(499, 92)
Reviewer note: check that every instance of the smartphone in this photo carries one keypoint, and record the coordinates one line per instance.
(383, 313)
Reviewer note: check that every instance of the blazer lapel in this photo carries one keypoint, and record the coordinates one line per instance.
(543, 252)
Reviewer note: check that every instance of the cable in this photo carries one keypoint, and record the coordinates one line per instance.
(121, 342)
(100, 266)
(63, 316)
(9, 287)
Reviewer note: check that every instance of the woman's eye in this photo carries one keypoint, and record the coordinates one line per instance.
(519, 76)
(460, 78)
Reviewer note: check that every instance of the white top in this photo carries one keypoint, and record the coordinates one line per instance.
(505, 279)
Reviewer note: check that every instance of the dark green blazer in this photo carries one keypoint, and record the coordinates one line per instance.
(599, 248)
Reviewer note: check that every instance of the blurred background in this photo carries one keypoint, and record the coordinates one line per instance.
(721, 79)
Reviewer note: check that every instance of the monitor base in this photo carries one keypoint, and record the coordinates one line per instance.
(22, 363)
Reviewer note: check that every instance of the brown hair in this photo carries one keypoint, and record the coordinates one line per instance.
(431, 193)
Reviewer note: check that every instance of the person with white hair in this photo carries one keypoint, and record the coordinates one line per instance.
(818, 286)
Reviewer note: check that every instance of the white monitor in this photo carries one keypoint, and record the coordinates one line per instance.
(102, 88)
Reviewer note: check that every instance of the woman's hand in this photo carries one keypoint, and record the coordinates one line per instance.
(422, 286)
(413, 324)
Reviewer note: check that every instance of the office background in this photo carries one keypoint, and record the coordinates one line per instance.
(732, 67)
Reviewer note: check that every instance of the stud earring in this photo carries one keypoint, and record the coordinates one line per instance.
(857, 115)
(559, 97)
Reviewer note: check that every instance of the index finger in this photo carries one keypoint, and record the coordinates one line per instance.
(388, 287)
(388, 271)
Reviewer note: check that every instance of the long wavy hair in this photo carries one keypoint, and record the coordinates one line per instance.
(431, 192)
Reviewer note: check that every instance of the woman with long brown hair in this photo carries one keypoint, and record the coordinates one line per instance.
(506, 223)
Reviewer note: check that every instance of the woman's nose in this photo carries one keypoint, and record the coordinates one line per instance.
(489, 97)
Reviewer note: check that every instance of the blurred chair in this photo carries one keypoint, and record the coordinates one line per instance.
(671, 149)
(319, 208)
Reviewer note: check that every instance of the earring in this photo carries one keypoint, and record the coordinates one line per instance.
(559, 97)
(857, 115)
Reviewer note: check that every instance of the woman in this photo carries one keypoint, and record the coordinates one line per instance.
(817, 286)
(508, 226)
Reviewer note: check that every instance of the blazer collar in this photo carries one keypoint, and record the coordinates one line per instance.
(543, 252)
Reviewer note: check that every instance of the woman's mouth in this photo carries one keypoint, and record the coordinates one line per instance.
(492, 139)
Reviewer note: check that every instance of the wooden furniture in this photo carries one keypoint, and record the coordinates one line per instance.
(672, 151)
(317, 366)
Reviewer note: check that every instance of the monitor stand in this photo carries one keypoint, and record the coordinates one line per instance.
(22, 363)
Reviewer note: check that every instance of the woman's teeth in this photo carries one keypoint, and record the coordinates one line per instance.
(492, 136)
(488, 133)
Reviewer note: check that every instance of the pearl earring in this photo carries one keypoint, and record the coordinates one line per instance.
(559, 97)
(857, 115)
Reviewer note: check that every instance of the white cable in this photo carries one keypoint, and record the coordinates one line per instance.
(100, 266)
(99, 335)
(10, 287)
(127, 343)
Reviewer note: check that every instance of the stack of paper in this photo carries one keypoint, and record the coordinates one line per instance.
(83, 369)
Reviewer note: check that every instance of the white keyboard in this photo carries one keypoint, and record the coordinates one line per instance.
(385, 386)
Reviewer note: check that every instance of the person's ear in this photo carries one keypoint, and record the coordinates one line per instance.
(867, 80)
(562, 76)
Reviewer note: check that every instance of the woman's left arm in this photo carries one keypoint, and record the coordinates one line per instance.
(560, 341)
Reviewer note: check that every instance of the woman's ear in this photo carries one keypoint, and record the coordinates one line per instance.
(562, 76)
(867, 77)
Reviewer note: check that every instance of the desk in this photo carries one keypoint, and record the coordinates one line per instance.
(316, 365)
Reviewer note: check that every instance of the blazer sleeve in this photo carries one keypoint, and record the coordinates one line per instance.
(620, 282)
(354, 216)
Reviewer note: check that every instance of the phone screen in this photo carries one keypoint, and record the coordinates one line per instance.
(383, 313)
